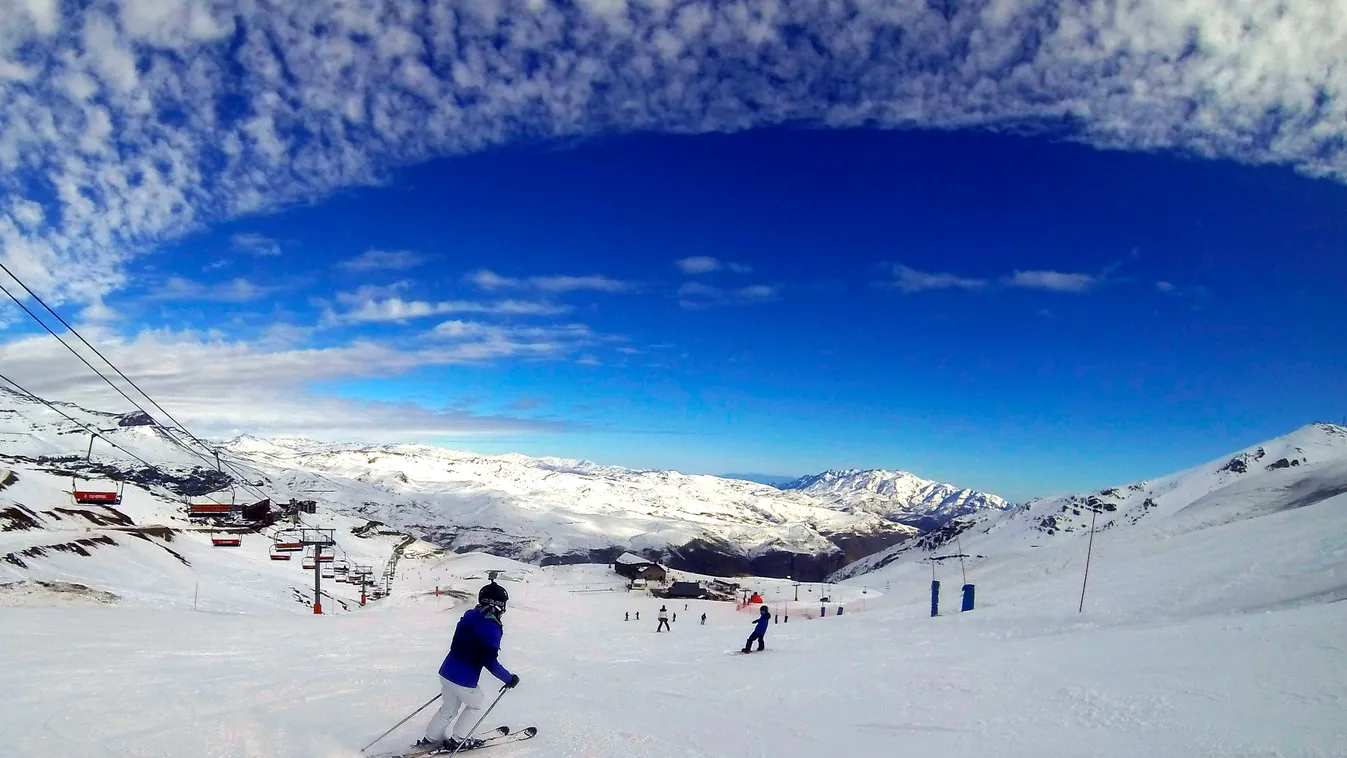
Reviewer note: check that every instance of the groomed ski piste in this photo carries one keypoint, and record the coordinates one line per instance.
(1211, 629)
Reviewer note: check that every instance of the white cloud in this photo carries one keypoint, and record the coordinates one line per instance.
(130, 121)
(222, 387)
(255, 244)
(697, 296)
(383, 260)
(490, 280)
(699, 264)
(705, 264)
(1165, 287)
(373, 310)
(1053, 281)
(233, 291)
(910, 280)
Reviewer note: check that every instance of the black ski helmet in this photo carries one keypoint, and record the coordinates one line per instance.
(764, 612)
(493, 595)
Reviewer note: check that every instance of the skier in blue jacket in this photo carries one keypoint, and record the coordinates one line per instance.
(475, 647)
(759, 629)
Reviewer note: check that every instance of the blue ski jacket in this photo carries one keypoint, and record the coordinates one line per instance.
(475, 647)
(760, 627)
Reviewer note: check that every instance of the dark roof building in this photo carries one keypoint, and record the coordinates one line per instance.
(685, 590)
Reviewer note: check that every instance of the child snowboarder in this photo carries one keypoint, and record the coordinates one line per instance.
(663, 620)
(759, 629)
(475, 646)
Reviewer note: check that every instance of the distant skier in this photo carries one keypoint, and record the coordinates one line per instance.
(685, 606)
(663, 620)
(626, 616)
(759, 629)
(638, 615)
(675, 618)
(703, 619)
(475, 646)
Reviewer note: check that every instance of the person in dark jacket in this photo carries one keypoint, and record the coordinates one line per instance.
(476, 646)
(759, 629)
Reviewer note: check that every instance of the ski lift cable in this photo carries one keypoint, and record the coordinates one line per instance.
(92, 368)
(167, 432)
(77, 422)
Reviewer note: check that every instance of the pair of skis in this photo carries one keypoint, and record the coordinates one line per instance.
(501, 735)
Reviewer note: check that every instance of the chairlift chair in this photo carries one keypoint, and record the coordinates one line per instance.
(225, 540)
(210, 507)
(106, 495)
(277, 554)
(308, 563)
(286, 542)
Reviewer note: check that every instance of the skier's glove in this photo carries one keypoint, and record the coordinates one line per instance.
(514, 682)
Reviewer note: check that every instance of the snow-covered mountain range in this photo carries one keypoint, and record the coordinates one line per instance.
(1300, 469)
(551, 509)
(895, 495)
(534, 509)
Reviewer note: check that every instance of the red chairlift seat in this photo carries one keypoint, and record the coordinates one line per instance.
(98, 497)
(288, 547)
(108, 494)
(326, 557)
(209, 509)
(278, 555)
(328, 574)
(226, 540)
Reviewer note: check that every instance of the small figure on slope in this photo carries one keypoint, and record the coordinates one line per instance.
(475, 646)
(663, 620)
(759, 629)
(703, 619)
(626, 616)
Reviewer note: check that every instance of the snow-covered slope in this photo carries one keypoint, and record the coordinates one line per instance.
(549, 509)
(895, 495)
(1305, 467)
(534, 509)
(143, 551)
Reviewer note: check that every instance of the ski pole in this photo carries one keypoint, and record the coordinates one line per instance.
(485, 713)
(400, 723)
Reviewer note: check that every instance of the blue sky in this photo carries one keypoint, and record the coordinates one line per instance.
(1029, 289)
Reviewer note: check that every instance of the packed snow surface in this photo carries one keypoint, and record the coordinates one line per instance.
(1221, 641)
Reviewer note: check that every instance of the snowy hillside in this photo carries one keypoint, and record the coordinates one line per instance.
(1219, 644)
(895, 495)
(551, 509)
(145, 550)
(1302, 468)
(534, 509)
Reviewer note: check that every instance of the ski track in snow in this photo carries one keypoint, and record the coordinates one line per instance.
(1022, 676)
(1213, 627)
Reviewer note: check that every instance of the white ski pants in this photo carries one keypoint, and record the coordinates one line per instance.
(455, 696)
